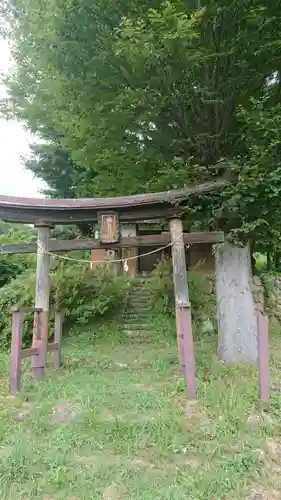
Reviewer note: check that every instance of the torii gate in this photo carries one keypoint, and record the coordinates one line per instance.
(109, 213)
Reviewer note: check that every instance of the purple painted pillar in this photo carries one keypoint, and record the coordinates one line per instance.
(183, 312)
(263, 358)
(15, 351)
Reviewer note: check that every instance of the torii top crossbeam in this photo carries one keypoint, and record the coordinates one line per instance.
(71, 211)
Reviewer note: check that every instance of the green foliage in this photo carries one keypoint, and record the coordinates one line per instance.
(88, 293)
(161, 289)
(151, 95)
(8, 271)
(270, 286)
(85, 294)
(260, 263)
(160, 286)
(12, 265)
(18, 292)
(50, 161)
(252, 207)
(65, 232)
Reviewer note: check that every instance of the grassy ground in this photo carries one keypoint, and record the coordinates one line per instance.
(115, 424)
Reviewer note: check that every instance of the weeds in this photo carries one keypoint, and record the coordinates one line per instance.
(116, 423)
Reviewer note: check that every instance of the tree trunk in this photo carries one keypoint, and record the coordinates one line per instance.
(277, 260)
(235, 305)
(268, 261)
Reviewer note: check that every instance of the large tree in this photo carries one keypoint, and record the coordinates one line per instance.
(150, 95)
(147, 95)
(51, 162)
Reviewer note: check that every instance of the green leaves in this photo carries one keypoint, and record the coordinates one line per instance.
(86, 294)
(141, 96)
(12, 266)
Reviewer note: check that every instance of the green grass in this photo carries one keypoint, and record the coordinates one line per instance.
(116, 424)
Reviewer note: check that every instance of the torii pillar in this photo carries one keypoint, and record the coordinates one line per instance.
(42, 298)
(183, 310)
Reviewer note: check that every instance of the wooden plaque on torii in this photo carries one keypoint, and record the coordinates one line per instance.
(108, 227)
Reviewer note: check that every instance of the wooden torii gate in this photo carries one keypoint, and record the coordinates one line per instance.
(109, 213)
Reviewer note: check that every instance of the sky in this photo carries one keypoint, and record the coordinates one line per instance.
(15, 180)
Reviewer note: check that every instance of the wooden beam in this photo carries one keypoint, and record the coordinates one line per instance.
(74, 216)
(183, 312)
(27, 353)
(27, 309)
(118, 202)
(125, 242)
(130, 208)
(53, 347)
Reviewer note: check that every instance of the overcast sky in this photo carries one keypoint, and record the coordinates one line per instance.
(14, 142)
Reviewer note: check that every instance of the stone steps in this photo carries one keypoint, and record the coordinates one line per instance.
(137, 316)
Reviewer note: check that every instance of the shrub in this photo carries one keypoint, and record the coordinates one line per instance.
(161, 288)
(18, 292)
(12, 265)
(85, 294)
(88, 293)
(8, 270)
(161, 291)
